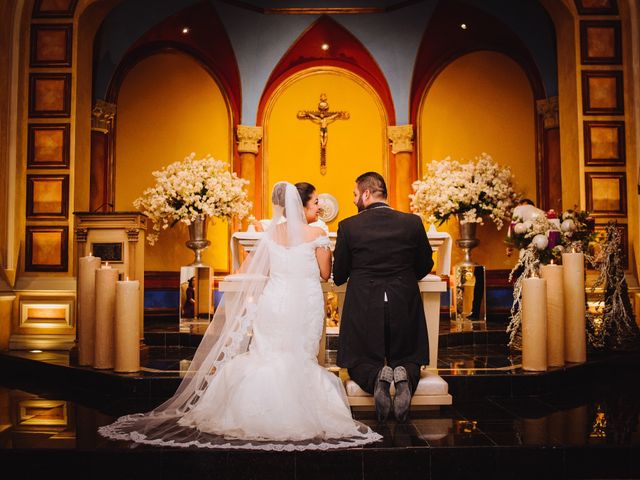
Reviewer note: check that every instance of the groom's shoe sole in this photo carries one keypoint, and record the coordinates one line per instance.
(381, 393)
(402, 399)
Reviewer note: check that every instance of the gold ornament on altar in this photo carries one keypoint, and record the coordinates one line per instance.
(323, 117)
(332, 310)
(599, 427)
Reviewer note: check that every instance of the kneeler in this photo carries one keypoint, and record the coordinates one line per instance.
(432, 389)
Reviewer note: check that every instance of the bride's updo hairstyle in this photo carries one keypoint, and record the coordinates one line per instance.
(278, 194)
(305, 190)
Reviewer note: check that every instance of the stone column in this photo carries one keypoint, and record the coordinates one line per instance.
(549, 178)
(136, 272)
(248, 139)
(81, 249)
(401, 137)
(101, 186)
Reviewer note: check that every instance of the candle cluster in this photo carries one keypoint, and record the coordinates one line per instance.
(108, 317)
(553, 315)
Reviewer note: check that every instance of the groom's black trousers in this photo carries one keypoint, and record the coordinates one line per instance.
(365, 374)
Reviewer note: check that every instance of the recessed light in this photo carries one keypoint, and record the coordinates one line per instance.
(185, 30)
(35, 351)
(325, 46)
(463, 26)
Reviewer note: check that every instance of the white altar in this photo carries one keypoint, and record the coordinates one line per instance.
(432, 389)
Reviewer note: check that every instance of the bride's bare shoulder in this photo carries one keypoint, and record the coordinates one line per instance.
(311, 233)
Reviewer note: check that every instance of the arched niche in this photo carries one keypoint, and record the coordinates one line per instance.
(291, 149)
(346, 59)
(481, 102)
(169, 106)
(206, 41)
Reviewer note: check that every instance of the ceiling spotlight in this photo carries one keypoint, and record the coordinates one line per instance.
(185, 30)
(463, 26)
(325, 46)
(35, 351)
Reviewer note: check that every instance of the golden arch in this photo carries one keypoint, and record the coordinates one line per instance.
(336, 176)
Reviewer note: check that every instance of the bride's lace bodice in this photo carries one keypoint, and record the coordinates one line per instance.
(290, 313)
(294, 263)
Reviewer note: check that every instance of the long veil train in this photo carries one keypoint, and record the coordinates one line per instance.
(230, 335)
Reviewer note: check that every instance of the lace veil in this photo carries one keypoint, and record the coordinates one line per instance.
(229, 333)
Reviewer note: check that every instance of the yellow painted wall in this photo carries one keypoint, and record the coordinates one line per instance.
(168, 107)
(292, 146)
(482, 102)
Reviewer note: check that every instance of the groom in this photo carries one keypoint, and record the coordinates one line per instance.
(383, 336)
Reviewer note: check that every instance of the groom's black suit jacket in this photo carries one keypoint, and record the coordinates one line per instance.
(382, 250)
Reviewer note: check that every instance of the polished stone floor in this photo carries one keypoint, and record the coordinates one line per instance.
(504, 423)
(586, 431)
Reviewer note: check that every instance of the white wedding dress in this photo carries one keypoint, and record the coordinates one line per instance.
(274, 396)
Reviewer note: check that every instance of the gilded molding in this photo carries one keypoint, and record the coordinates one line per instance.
(102, 116)
(248, 138)
(81, 234)
(401, 137)
(548, 108)
(133, 234)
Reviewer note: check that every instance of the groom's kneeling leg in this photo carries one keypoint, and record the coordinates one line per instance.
(413, 373)
(365, 375)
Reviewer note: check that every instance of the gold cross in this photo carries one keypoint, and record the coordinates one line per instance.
(323, 117)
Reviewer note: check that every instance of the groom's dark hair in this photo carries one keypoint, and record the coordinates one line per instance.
(374, 182)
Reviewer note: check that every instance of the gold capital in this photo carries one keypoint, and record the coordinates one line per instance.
(548, 108)
(102, 116)
(81, 234)
(133, 234)
(248, 138)
(401, 137)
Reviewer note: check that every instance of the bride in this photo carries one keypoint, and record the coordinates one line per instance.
(254, 382)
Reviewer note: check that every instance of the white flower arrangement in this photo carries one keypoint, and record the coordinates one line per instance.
(193, 188)
(472, 190)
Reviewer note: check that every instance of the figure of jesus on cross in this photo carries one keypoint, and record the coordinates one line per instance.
(323, 117)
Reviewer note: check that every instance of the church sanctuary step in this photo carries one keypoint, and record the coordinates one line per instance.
(471, 371)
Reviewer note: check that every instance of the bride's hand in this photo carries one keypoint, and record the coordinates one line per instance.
(257, 225)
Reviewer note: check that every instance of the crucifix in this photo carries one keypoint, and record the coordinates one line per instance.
(323, 117)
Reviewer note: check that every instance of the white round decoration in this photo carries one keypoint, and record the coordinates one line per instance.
(329, 207)
(568, 226)
(520, 228)
(540, 241)
(527, 212)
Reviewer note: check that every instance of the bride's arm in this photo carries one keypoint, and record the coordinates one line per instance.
(323, 251)
(323, 255)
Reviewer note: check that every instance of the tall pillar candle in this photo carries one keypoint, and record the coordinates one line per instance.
(555, 314)
(575, 333)
(106, 278)
(127, 342)
(87, 267)
(534, 324)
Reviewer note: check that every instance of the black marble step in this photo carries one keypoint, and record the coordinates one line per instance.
(476, 335)
(160, 376)
(589, 428)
